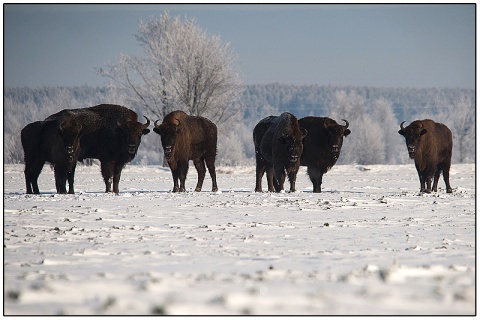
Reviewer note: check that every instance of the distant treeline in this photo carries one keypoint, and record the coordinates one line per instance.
(316, 100)
(374, 115)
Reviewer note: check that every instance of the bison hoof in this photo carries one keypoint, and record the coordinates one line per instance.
(197, 189)
(214, 189)
(449, 190)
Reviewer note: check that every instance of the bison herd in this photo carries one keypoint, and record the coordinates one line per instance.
(112, 134)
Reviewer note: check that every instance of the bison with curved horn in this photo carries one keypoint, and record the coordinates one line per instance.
(111, 134)
(114, 135)
(187, 138)
(322, 146)
(278, 148)
(429, 144)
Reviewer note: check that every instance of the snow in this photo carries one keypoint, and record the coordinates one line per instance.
(369, 244)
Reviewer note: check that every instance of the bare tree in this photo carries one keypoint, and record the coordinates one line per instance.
(183, 68)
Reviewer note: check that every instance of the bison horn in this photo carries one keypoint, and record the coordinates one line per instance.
(401, 125)
(176, 122)
(346, 123)
(155, 123)
(145, 126)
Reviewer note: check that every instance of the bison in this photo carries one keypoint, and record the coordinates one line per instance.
(321, 148)
(57, 141)
(429, 143)
(278, 148)
(187, 138)
(111, 134)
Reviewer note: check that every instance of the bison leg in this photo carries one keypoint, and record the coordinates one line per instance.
(179, 173)
(183, 170)
(421, 177)
(31, 180)
(117, 172)
(175, 175)
(292, 177)
(435, 180)
(280, 175)
(60, 179)
(428, 181)
(71, 178)
(430, 174)
(260, 168)
(107, 174)
(316, 179)
(446, 175)
(210, 162)
(32, 171)
(201, 170)
(28, 185)
(272, 182)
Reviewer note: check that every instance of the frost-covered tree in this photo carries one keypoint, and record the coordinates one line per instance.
(462, 124)
(383, 115)
(459, 116)
(183, 68)
(351, 106)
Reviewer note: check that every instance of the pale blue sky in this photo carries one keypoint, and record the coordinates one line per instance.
(406, 45)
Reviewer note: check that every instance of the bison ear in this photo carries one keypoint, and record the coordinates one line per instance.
(158, 130)
(146, 131)
(346, 132)
(423, 132)
(401, 132)
(304, 132)
(61, 127)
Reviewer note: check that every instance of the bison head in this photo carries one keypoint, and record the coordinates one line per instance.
(412, 134)
(168, 133)
(69, 131)
(131, 133)
(335, 134)
(293, 141)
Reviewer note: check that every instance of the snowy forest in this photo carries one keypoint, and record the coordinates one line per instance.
(374, 115)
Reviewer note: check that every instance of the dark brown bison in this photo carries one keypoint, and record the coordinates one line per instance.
(321, 148)
(278, 148)
(111, 134)
(187, 138)
(429, 143)
(57, 141)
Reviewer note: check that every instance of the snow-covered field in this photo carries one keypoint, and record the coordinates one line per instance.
(370, 244)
